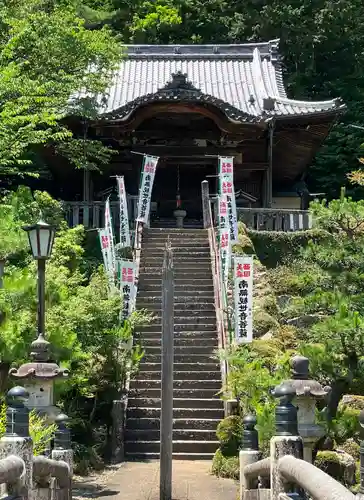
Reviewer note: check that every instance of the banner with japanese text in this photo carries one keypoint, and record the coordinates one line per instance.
(123, 212)
(126, 275)
(243, 298)
(107, 254)
(224, 238)
(226, 186)
(146, 187)
(110, 233)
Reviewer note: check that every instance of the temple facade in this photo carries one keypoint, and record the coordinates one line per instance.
(189, 104)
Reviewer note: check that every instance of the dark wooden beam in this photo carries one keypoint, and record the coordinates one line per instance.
(184, 151)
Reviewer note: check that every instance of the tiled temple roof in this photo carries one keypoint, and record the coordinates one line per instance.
(245, 81)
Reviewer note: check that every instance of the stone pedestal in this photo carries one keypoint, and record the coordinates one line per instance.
(179, 215)
(279, 447)
(16, 440)
(246, 457)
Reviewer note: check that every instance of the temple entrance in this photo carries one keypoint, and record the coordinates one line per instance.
(177, 185)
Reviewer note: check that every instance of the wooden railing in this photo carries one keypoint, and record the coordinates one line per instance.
(269, 219)
(216, 274)
(91, 213)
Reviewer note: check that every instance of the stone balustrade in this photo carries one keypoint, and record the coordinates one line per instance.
(284, 474)
(23, 475)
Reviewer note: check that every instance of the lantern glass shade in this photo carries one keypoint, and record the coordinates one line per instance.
(41, 237)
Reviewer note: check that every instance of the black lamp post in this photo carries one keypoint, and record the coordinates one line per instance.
(41, 237)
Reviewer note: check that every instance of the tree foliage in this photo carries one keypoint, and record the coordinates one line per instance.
(46, 57)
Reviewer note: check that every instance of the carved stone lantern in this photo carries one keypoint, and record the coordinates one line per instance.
(38, 378)
(308, 392)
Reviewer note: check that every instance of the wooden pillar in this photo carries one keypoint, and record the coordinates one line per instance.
(268, 174)
(86, 185)
(166, 426)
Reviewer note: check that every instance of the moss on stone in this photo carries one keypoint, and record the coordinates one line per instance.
(225, 466)
(263, 322)
(352, 448)
(353, 402)
(340, 466)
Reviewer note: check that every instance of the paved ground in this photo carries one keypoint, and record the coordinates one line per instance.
(140, 481)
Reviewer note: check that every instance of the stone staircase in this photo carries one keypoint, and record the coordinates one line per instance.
(197, 409)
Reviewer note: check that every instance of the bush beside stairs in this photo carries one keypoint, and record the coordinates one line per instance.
(197, 409)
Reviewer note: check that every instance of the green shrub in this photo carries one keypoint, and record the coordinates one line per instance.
(225, 466)
(40, 430)
(274, 247)
(263, 322)
(229, 433)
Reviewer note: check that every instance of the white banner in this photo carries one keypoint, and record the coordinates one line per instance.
(107, 254)
(243, 298)
(146, 187)
(224, 238)
(226, 181)
(123, 212)
(126, 272)
(110, 233)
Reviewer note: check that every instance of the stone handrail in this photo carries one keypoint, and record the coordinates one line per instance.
(270, 219)
(253, 471)
(318, 484)
(44, 468)
(11, 471)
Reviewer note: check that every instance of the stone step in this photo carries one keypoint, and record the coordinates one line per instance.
(211, 382)
(179, 297)
(151, 363)
(178, 446)
(140, 456)
(177, 403)
(150, 280)
(177, 393)
(181, 342)
(178, 253)
(180, 310)
(183, 350)
(178, 435)
(197, 360)
(179, 274)
(149, 265)
(182, 328)
(177, 230)
(183, 375)
(178, 423)
(189, 372)
(152, 331)
(178, 245)
(156, 288)
(208, 320)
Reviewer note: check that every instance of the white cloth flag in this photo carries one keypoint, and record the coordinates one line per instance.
(226, 186)
(123, 212)
(146, 187)
(224, 239)
(110, 233)
(106, 254)
(126, 272)
(243, 298)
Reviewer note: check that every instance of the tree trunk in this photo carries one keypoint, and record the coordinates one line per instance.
(4, 376)
(338, 389)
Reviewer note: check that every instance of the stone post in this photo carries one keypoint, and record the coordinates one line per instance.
(205, 204)
(249, 452)
(360, 494)
(286, 441)
(17, 441)
(62, 442)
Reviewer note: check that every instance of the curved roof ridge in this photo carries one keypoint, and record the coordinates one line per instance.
(257, 73)
(309, 104)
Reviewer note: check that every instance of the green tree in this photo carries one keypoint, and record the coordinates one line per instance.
(46, 56)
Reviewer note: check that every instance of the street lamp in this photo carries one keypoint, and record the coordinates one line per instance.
(39, 374)
(41, 237)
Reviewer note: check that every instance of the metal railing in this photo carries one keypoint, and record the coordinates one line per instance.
(216, 274)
